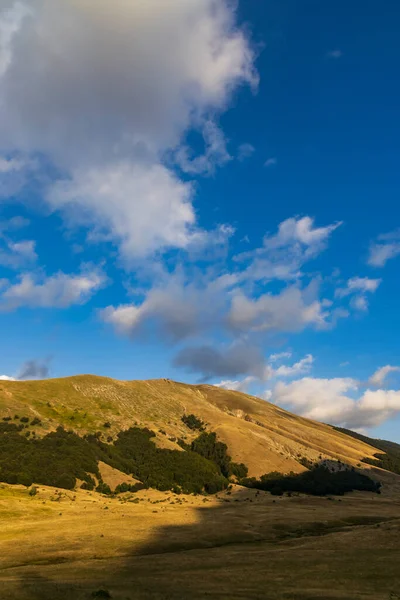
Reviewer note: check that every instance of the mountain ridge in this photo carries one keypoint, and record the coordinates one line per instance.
(263, 436)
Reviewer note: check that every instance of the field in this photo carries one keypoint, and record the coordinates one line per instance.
(239, 544)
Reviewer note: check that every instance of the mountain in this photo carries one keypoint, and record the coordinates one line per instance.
(259, 434)
(61, 540)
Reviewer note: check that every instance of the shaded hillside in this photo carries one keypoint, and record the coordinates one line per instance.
(257, 433)
(388, 458)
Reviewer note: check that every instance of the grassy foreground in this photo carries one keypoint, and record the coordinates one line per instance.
(238, 544)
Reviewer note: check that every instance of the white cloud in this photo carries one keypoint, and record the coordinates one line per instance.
(57, 291)
(337, 401)
(300, 231)
(271, 162)
(358, 288)
(385, 248)
(17, 254)
(7, 378)
(282, 255)
(107, 91)
(288, 311)
(244, 152)
(379, 377)
(144, 208)
(216, 153)
(237, 385)
(302, 366)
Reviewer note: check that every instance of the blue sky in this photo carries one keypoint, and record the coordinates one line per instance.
(205, 193)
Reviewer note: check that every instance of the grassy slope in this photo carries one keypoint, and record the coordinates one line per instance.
(238, 545)
(261, 435)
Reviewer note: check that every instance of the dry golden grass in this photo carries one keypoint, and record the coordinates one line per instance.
(243, 544)
(62, 545)
(261, 435)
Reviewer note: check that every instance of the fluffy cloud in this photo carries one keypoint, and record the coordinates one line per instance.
(216, 153)
(17, 254)
(358, 288)
(145, 208)
(106, 91)
(236, 385)
(337, 401)
(57, 291)
(379, 377)
(7, 378)
(385, 248)
(302, 366)
(289, 311)
(282, 255)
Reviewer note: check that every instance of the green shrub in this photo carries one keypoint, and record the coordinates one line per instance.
(193, 422)
(103, 488)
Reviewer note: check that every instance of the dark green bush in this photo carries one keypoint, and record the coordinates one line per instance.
(193, 422)
(103, 488)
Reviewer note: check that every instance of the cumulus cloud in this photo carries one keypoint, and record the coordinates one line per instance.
(105, 92)
(34, 369)
(145, 208)
(7, 378)
(385, 248)
(56, 291)
(302, 366)
(338, 401)
(289, 311)
(379, 377)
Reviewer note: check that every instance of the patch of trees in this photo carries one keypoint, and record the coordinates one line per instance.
(133, 452)
(389, 459)
(319, 481)
(193, 422)
(129, 487)
(57, 459)
(208, 446)
(60, 458)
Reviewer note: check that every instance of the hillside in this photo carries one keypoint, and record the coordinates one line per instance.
(58, 542)
(263, 436)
